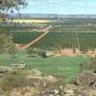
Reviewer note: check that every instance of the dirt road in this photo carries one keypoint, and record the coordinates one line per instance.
(37, 39)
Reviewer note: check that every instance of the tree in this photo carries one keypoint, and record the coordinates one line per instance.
(8, 6)
(11, 4)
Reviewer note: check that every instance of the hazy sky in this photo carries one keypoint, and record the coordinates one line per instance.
(61, 6)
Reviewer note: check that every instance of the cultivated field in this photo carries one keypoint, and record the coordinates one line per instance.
(54, 40)
(63, 34)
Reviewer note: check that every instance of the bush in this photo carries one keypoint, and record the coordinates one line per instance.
(12, 80)
(89, 65)
(36, 52)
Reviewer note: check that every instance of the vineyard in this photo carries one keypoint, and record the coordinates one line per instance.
(24, 37)
(58, 40)
(64, 33)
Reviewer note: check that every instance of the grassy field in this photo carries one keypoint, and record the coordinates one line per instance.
(65, 67)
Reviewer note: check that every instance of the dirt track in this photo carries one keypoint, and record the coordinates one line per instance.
(37, 39)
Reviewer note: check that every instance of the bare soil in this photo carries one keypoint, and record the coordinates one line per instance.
(69, 52)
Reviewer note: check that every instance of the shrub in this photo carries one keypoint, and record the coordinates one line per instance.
(12, 80)
(36, 52)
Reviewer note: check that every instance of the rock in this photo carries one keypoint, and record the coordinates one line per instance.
(69, 90)
(1, 93)
(24, 92)
(34, 72)
(86, 79)
(56, 92)
(50, 79)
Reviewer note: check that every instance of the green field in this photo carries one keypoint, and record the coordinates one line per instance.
(58, 40)
(65, 67)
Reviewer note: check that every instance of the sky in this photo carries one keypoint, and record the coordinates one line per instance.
(60, 7)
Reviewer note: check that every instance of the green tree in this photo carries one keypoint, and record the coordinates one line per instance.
(6, 43)
(11, 4)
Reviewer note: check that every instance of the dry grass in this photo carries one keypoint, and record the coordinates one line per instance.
(31, 21)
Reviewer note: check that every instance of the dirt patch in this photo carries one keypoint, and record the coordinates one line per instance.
(70, 52)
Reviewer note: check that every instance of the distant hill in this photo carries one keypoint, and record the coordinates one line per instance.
(50, 16)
